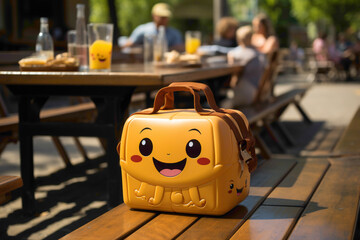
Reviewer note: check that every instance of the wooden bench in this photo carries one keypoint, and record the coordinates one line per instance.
(8, 184)
(265, 113)
(289, 198)
(74, 113)
(267, 108)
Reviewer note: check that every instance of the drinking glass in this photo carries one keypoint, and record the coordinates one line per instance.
(71, 41)
(100, 46)
(192, 41)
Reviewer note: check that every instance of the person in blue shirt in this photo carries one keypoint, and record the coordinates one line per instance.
(160, 13)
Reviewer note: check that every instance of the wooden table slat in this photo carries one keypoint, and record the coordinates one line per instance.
(298, 186)
(268, 222)
(349, 142)
(114, 224)
(263, 181)
(164, 226)
(331, 213)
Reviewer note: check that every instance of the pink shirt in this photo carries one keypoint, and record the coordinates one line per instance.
(319, 48)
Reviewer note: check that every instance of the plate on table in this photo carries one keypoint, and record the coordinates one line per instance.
(62, 62)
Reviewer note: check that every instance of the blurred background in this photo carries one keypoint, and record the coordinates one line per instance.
(293, 20)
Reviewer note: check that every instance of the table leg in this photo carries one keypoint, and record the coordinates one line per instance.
(29, 110)
(113, 110)
(27, 173)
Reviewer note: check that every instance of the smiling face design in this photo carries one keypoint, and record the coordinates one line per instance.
(237, 184)
(233, 188)
(170, 153)
(100, 54)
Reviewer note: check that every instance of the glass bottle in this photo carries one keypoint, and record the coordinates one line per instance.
(160, 46)
(44, 42)
(81, 38)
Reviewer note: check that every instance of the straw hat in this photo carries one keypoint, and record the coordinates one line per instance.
(161, 10)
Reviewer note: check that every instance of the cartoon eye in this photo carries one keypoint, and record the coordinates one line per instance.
(146, 147)
(193, 148)
(231, 186)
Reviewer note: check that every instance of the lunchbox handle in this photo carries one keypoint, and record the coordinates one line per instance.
(164, 99)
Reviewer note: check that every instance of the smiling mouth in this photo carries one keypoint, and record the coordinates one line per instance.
(102, 59)
(239, 191)
(169, 169)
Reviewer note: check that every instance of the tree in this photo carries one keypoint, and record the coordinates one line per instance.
(340, 13)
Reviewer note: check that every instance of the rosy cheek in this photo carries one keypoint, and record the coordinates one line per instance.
(136, 158)
(230, 191)
(203, 161)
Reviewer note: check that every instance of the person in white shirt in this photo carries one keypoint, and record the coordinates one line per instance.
(244, 86)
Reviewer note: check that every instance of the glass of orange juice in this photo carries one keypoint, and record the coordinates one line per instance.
(100, 46)
(192, 41)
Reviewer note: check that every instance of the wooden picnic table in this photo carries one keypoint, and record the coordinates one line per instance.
(289, 198)
(111, 92)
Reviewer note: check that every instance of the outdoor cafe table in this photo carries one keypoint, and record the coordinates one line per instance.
(111, 92)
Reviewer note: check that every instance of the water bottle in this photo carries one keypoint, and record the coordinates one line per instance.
(44, 42)
(149, 40)
(160, 46)
(81, 47)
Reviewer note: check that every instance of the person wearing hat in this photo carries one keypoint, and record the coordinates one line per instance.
(161, 13)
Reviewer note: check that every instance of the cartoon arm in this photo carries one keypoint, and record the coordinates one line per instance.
(195, 197)
(141, 191)
(158, 196)
(177, 197)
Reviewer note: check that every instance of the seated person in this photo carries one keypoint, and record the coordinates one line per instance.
(226, 29)
(320, 48)
(160, 13)
(245, 86)
(344, 48)
(263, 38)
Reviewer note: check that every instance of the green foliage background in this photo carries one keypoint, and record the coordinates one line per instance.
(340, 13)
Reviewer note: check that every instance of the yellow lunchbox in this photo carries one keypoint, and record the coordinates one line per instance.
(186, 160)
